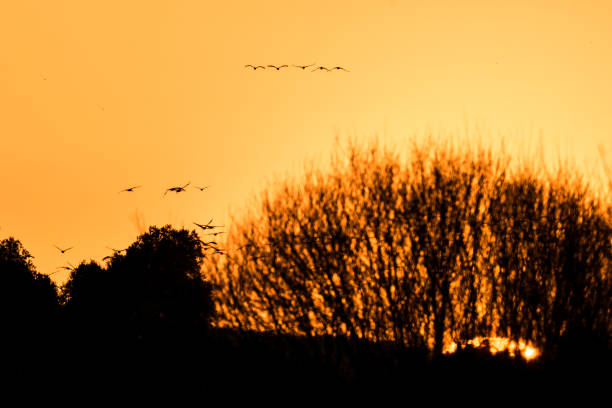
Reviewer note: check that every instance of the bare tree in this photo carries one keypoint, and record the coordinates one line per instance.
(447, 246)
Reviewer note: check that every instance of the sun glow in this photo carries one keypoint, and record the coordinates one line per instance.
(496, 345)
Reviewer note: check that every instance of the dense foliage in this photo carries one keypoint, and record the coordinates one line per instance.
(154, 291)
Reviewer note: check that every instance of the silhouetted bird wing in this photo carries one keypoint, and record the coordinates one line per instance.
(207, 226)
(116, 250)
(129, 189)
(62, 250)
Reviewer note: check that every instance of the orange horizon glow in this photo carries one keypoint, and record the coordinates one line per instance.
(497, 345)
(99, 96)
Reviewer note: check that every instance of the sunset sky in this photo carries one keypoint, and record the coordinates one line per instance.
(96, 96)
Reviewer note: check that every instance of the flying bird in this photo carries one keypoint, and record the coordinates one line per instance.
(116, 252)
(254, 66)
(177, 189)
(208, 226)
(62, 250)
(278, 68)
(304, 66)
(216, 233)
(68, 268)
(53, 273)
(320, 68)
(331, 69)
(218, 251)
(201, 188)
(130, 189)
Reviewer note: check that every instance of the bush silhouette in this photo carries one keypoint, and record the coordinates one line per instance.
(446, 246)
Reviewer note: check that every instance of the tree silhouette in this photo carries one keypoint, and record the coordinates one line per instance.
(88, 304)
(446, 246)
(154, 292)
(29, 304)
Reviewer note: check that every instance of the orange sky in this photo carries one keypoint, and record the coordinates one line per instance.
(96, 96)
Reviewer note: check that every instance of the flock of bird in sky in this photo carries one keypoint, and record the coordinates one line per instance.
(302, 67)
(177, 189)
(180, 189)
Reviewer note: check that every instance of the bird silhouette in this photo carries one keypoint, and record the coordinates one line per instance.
(218, 251)
(304, 66)
(62, 250)
(278, 68)
(211, 245)
(319, 68)
(254, 66)
(177, 189)
(130, 189)
(69, 268)
(216, 233)
(331, 69)
(207, 226)
(201, 188)
(116, 252)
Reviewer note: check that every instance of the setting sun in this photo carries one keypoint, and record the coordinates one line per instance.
(498, 344)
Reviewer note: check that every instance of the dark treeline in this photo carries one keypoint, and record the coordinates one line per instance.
(362, 274)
